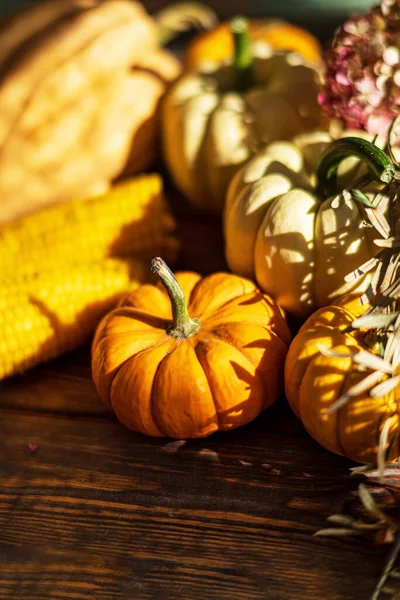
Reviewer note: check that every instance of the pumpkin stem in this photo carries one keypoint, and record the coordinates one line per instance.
(242, 56)
(182, 326)
(378, 162)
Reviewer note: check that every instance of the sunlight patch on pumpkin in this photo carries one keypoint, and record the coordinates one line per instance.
(354, 247)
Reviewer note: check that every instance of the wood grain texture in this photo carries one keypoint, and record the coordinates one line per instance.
(99, 512)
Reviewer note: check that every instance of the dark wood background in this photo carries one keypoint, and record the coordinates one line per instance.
(99, 512)
(91, 510)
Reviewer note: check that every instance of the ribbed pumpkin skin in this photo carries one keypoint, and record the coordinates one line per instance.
(314, 381)
(220, 378)
(297, 246)
(210, 128)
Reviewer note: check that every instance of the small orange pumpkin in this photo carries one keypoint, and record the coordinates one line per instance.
(216, 45)
(166, 374)
(314, 381)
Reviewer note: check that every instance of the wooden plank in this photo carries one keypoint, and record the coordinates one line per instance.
(97, 511)
(62, 385)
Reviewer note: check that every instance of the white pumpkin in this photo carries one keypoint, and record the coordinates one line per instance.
(297, 246)
(212, 126)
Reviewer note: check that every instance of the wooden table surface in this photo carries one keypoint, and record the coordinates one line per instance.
(102, 513)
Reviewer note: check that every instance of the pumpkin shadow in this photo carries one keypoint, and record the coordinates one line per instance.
(233, 417)
(124, 310)
(154, 234)
(145, 143)
(254, 299)
(274, 321)
(340, 242)
(296, 243)
(171, 228)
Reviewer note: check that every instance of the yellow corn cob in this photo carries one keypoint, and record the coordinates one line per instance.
(45, 315)
(133, 218)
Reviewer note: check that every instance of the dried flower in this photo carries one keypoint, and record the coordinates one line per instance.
(362, 82)
(368, 519)
(375, 516)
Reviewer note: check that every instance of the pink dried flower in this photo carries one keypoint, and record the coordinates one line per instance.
(362, 80)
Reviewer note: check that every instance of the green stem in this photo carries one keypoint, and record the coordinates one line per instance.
(182, 326)
(242, 56)
(378, 162)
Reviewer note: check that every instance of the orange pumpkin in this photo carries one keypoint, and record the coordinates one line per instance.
(314, 381)
(216, 45)
(167, 374)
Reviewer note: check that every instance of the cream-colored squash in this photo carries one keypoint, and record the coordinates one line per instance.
(211, 128)
(297, 246)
